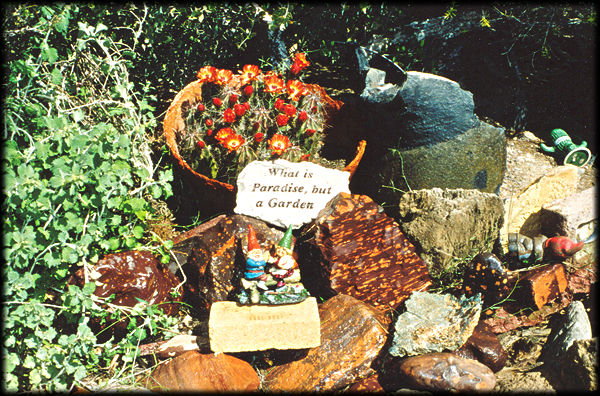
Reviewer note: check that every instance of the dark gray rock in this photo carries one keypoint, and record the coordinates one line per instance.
(449, 223)
(574, 325)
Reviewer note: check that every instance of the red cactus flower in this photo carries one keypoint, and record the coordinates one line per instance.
(300, 63)
(279, 103)
(302, 116)
(295, 89)
(201, 107)
(258, 137)
(249, 73)
(305, 157)
(282, 119)
(273, 83)
(209, 122)
(217, 102)
(228, 115)
(278, 144)
(200, 144)
(248, 90)
(223, 76)
(209, 132)
(206, 74)
(289, 110)
(223, 134)
(246, 106)
(233, 98)
(310, 132)
(239, 109)
(233, 142)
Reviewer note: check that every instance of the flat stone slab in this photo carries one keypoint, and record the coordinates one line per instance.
(287, 193)
(243, 328)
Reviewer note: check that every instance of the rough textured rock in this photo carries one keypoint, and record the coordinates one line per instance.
(434, 323)
(131, 275)
(354, 248)
(579, 368)
(484, 346)
(370, 384)
(564, 217)
(447, 223)
(520, 210)
(572, 326)
(212, 257)
(352, 335)
(198, 372)
(447, 372)
(542, 285)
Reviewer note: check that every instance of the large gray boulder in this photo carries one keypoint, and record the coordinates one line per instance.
(450, 225)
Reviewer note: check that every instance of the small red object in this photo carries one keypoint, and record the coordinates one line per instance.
(561, 247)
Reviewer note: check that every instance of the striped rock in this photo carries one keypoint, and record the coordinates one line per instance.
(354, 248)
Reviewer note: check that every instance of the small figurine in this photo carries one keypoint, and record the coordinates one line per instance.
(575, 155)
(561, 248)
(285, 267)
(486, 275)
(254, 275)
(523, 249)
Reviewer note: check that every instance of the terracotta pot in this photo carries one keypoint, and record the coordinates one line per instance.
(218, 195)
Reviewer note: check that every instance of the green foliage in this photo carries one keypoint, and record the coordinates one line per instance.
(78, 177)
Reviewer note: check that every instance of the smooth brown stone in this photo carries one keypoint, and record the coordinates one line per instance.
(447, 372)
(542, 285)
(243, 328)
(194, 371)
(353, 248)
(484, 346)
(352, 336)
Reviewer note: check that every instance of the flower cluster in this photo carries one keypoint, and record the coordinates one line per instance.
(253, 115)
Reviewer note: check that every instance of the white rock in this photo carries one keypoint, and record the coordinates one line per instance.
(287, 193)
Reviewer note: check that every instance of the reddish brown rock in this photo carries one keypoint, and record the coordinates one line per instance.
(352, 335)
(194, 371)
(370, 385)
(129, 276)
(354, 248)
(211, 256)
(542, 285)
(447, 372)
(484, 346)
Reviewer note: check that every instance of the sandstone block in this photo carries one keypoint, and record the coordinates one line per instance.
(240, 328)
(447, 372)
(559, 183)
(449, 223)
(198, 372)
(352, 336)
(354, 248)
(564, 217)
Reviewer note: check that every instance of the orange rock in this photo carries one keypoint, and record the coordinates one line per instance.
(352, 335)
(370, 384)
(194, 371)
(542, 285)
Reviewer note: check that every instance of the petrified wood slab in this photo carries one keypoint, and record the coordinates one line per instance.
(354, 248)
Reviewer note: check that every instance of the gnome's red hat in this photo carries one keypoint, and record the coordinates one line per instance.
(252, 241)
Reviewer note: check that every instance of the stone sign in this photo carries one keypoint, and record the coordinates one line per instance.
(285, 193)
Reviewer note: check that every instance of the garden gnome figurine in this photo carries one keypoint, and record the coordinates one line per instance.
(574, 154)
(522, 248)
(254, 275)
(285, 267)
(561, 247)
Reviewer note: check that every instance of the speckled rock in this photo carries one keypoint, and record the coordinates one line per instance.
(194, 371)
(433, 323)
(354, 248)
(447, 372)
(352, 336)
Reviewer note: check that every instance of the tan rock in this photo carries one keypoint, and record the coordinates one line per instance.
(194, 371)
(352, 336)
(242, 328)
(559, 183)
